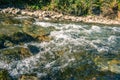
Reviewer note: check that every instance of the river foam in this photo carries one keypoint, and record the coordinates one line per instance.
(66, 39)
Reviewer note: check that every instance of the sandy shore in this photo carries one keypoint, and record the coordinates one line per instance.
(51, 15)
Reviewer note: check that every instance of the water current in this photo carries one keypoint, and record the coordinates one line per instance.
(73, 47)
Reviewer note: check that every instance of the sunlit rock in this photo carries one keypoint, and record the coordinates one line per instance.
(114, 66)
(28, 77)
(108, 64)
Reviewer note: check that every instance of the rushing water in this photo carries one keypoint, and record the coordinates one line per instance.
(73, 51)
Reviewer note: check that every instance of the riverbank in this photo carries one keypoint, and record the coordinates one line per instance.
(51, 15)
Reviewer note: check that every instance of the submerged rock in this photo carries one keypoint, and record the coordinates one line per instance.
(14, 54)
(4, 75)
(33, 49)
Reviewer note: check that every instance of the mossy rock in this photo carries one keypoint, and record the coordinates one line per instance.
(83, 68)
(11, 34)
(11, 20)
(4, 75)
(14, 39)
(20, 37)
(38, 32)
(106, 63)
(9, 29)
(14, 54)
(6, 31)
(79, 67)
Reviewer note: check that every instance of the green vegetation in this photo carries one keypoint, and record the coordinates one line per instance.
(75, 7)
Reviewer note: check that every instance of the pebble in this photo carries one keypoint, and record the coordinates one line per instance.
(51, 15)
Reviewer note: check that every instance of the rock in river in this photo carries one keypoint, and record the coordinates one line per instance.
(38, 32)
(14, 54)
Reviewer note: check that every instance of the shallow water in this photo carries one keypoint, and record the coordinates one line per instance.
(73, 53)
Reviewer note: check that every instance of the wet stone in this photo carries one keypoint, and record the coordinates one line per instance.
(20, 37)
(33, 49)
(14, 54)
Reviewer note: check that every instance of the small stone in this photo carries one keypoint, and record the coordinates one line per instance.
(27, 77)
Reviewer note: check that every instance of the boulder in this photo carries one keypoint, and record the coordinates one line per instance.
(38, 32)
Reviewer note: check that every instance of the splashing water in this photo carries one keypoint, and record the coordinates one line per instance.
(68, 40)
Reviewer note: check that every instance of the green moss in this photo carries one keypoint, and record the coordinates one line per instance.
(4, 75)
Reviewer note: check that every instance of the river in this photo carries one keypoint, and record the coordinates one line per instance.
(72, 51)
